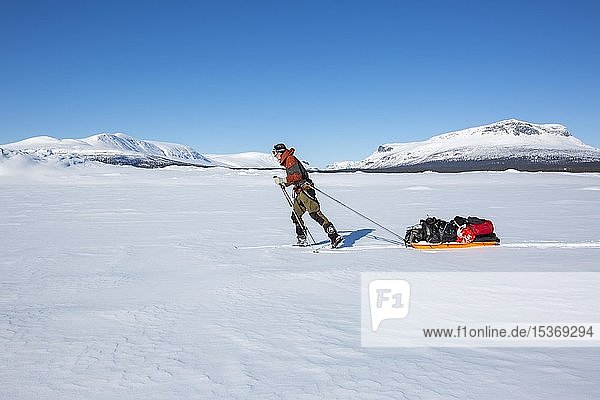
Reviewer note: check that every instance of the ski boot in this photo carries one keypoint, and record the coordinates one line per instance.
(302, 242)
(335, 238)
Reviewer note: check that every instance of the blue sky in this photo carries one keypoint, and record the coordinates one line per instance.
(333, 78)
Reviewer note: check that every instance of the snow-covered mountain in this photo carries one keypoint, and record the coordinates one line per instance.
(115, 148)
(122, 149)
(508, 144)
(245, 160)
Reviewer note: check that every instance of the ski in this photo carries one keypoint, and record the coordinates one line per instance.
(275, 246)
(268, 246)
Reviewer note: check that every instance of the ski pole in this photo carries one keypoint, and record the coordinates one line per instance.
(362, 215)
(304, 227)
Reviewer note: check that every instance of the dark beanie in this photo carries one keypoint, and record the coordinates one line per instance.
(279, 148)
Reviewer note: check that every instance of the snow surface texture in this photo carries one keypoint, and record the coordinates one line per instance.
(507, 139)
(118, 282)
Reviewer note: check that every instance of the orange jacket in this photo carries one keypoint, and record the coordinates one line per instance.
(296, 173)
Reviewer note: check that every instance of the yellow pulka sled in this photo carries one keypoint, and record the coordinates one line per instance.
(450, 245)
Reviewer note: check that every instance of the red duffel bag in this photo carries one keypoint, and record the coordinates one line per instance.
(484, 228)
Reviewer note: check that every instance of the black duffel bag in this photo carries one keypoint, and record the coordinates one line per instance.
(431, 230)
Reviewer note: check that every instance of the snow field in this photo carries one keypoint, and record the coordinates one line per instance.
(119, 282)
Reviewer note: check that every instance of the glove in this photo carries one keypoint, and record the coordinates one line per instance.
(306, 186)
(279, 181)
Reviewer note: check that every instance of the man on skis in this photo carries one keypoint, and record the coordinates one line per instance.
(305, 198)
